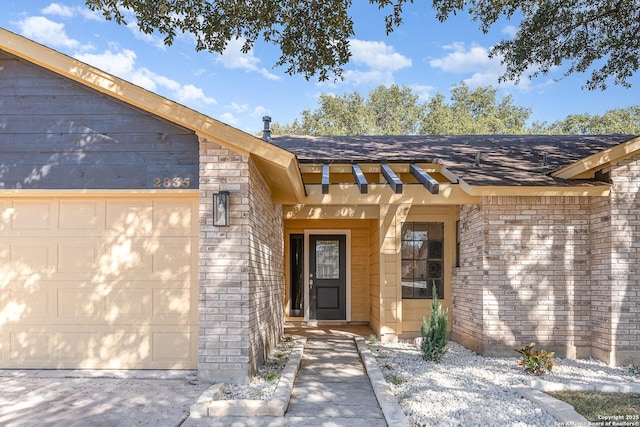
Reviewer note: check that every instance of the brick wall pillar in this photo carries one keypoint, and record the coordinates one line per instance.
(224, 317)
(622, 299)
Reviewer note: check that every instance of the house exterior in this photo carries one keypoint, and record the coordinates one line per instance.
(112, 256)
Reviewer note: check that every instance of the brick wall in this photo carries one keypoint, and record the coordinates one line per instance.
(624, 289)
(224, 315)
(240, 270)
(468, 281)
(533, 253)
(600, 323)
(266, 271)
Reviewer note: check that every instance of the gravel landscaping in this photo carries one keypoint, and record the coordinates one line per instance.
(465, 389)
(264, 383)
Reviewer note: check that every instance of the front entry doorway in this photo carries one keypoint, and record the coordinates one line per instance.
(320, 275)
(327, 277)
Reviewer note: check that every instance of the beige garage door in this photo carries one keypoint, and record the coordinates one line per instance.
(103, 281)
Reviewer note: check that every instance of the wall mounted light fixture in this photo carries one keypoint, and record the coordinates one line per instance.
(221, 209)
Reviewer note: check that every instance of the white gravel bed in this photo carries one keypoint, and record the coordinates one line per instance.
(465, 389)
(264, 382)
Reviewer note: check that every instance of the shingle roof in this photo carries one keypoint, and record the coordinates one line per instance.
(504, 159)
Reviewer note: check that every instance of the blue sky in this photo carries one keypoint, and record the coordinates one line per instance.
(239, 89)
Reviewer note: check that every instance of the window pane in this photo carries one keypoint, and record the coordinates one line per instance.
(435, 250)
(422, 253)
(407, 231)
(420, 289)
(434, 269)
(407, 290)
(327, 259)
(407, 270)
(421, 231)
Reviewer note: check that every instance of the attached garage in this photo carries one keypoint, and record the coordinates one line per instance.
(109, 253)
(98, 228)
(98, 280)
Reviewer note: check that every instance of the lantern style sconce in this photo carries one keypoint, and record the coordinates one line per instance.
(221, 209)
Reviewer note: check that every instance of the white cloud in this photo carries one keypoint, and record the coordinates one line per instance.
(234, 59)
(377, 56)
(424, 92)
(245, 109)
(475, 61)
(63, 11)
(510, 30)
(155, 40)
(191, 95)
(123, 65)
(461, 60)
(372, 63)
(118, 63)
(375, 77)
(48, 32)
(58, 10)
(228, 118)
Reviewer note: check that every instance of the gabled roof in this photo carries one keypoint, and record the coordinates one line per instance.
(477, 160)
(278, 166)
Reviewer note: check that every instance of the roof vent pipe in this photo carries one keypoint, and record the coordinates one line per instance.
(266, 131)
(476, 164)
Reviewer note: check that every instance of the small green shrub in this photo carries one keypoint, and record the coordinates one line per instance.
(434, 333)
(397, 379)
(536, 362)
(373, 340)
(633, 368)
(271, 376)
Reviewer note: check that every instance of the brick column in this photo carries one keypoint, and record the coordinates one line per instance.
(223, 354)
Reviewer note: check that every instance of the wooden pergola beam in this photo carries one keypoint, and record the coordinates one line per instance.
(392, 178)
(325, 178)
(361, 180)
(425, 179)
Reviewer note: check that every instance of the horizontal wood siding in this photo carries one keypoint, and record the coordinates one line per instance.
(56, 133)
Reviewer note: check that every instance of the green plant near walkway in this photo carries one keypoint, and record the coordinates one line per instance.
(434, 332)
(536, 362)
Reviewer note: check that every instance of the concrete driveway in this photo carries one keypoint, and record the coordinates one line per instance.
(96, 398)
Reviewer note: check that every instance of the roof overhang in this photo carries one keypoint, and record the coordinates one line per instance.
(587, 167)
(278, 166)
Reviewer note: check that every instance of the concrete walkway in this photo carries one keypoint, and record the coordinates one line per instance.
(332, 389)
(333, 386)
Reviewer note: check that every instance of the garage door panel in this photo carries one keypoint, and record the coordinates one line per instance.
(80, 304)
(130, 217)
(126, 305)
(173, 219)
(34, 305)
(29, 257)
(74, 257)
(172, 258)
(33, 215)
(80, 215)
(34, 347)
(171, 346)
(99, 282)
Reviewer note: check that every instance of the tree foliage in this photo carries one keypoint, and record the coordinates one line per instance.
(313, 35)
(474, 112)
(617, 121)
(597, 35)
(397, 110)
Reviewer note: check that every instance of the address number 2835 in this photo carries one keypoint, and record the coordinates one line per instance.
(175, 182)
